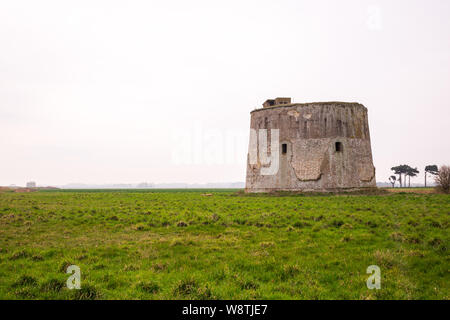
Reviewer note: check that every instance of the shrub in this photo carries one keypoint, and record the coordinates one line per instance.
(443, 179)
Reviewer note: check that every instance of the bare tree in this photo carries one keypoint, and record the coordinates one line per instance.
(443, 179)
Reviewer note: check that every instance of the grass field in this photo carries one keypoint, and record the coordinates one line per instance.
(182, 244)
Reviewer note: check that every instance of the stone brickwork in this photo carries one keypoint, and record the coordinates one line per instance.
(327, 147)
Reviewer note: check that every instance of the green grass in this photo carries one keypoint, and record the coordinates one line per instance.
(164, 244)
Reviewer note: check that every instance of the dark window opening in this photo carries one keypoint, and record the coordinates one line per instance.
(338, 147)
(284, 148)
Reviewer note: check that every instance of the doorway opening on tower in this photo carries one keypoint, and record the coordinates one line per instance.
(284, 148)
(338, 147)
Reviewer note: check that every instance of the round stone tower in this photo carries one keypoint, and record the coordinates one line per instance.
(322, 146)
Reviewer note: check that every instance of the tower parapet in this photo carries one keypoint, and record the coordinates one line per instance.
(276, 102)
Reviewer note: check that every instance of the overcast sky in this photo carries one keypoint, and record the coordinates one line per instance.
(132, 91)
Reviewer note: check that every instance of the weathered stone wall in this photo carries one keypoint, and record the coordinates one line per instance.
(311, 161)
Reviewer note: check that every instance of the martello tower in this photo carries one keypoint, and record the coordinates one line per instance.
(309, 146)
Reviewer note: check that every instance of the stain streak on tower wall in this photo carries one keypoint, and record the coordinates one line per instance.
(323, 146)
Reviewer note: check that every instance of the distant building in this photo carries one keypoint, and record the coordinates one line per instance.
(31, 184)
(144, 185)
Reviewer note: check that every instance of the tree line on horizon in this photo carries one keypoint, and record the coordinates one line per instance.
(405, 172)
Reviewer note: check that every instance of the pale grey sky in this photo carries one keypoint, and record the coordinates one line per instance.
(114, 91)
